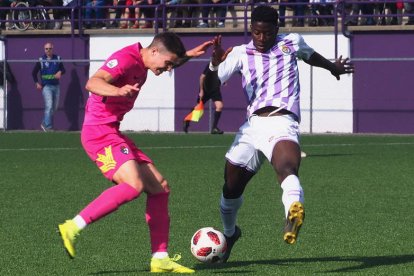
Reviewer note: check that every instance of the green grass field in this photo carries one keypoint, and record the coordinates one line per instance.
(358, 192)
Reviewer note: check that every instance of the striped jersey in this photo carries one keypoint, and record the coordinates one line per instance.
(271, 78)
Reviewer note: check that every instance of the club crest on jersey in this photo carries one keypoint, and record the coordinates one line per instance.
(107, 160)
(124, 150)
(112, 63)
(285, 50)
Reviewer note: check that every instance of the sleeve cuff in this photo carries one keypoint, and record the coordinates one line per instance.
(212, 67)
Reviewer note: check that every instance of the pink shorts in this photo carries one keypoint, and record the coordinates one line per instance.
(109, 149)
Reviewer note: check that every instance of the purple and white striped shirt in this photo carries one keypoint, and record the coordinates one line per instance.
(271, 78)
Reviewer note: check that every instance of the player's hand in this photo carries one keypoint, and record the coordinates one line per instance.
(128, 90)
(343, 66)
(199, 50)
(219, 55)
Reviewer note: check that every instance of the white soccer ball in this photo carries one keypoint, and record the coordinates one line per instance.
(208, 245)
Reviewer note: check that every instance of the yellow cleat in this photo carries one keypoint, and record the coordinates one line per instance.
(169, 265)
(68, 232)
(294, 221)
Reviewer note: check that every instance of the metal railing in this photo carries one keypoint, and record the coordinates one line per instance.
(336, 14)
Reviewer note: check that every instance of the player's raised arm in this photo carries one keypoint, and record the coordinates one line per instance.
(337, 68)
(195, 52)
(219, 55)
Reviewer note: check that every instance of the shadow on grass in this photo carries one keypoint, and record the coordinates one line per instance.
(363, 263)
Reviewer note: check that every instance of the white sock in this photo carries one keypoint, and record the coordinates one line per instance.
(292, 191)
(80, 222)
(228, 211)
(159, 255)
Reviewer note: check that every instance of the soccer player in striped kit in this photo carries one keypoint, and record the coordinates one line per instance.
(114, 89)
(270, 80)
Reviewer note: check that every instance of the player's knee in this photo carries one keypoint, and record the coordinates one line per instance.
(231, 191)
(137, 185)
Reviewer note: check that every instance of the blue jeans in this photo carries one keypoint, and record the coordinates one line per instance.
(51, 98)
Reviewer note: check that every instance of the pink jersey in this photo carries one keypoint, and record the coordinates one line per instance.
(126, 67)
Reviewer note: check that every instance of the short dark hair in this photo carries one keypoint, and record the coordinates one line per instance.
(265, 13)
(171, 42)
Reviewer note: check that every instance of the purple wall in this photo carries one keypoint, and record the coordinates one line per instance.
(187, 85)
(25, 102)
(383, 93)
(383, 90)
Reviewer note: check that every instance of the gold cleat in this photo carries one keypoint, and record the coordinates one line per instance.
(294, 221)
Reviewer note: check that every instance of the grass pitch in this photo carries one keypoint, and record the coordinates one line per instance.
(358, 201)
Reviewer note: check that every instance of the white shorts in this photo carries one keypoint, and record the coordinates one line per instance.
(258, 136)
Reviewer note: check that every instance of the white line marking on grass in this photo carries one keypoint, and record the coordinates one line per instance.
(214, 147)
(162, 147)
(359, 144)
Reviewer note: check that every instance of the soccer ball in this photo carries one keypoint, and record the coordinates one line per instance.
(208, 245)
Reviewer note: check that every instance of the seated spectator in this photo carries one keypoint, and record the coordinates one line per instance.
(320, 9)
(58, 14)
(126, 11)
(3, 13)
(298, 10)
(95, 8)
(148, 12)
(219, 11)
(189, 14)
(232, 10)
(367, 9)
(409, 8)
(382, 7)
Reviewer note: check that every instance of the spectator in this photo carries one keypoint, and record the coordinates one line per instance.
(367, 10)
(382, 7)
(298, 10)
(95, 8)
(51, 70)
(232, 9)
(322, 9)
(148, 11)
(186, 13)
(3, 13)
(409, 8)
(219, 11)
(126, 12)
(58, 14)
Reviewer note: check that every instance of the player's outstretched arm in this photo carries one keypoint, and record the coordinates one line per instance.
(195, 52)
(337, 68)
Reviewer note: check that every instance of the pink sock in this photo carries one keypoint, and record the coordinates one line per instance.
(108, 201)
(158, 221)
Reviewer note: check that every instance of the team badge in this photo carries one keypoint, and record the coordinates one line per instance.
(124, 150)
(112, 63)
(285, 50)
(107, 160)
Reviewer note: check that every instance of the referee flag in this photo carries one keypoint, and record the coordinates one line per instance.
(196, 113)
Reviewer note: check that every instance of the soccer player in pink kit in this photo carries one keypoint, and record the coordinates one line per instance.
(270, 80)
(114, 89)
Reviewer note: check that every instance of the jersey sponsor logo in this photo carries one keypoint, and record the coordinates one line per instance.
(285, 50)
(124, 150)
(112, 63)
(107, 160)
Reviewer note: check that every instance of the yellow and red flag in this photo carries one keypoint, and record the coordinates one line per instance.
(196, 113)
